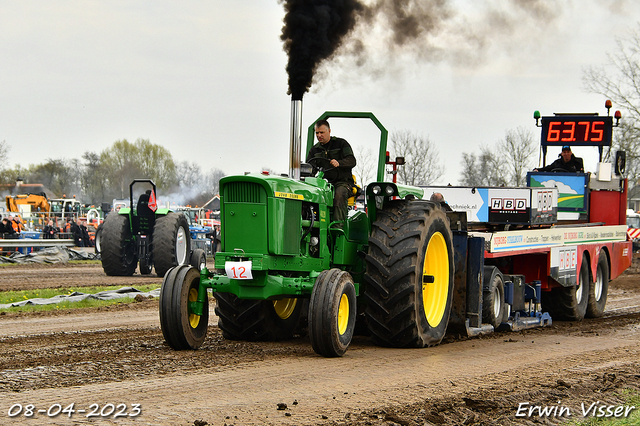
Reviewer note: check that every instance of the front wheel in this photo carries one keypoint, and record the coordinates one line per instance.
(181, 327)
(198, 259)
(145, 266)
(332, 313)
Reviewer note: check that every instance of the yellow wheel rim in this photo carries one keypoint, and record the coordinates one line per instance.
(435, 290)
(285, 307)
(194, 319)
(343, 314)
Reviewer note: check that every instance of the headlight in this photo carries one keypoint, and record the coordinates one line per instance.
(389, 190)
(376, 190)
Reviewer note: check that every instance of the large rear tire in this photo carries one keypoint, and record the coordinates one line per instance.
(257, 320)
(332, 313)
(118, 255)
(569, 303)
(492, 296)
(171, 242)
(599, 288)
(181, 328)
(409, 276)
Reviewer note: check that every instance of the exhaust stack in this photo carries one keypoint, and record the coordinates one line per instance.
(295, 153)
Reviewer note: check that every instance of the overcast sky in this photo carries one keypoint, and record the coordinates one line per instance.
(207, 79)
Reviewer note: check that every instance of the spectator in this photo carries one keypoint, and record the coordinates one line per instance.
(6, 229)
(86, 241)
(77, 233)
(438, 198)
(50, 231)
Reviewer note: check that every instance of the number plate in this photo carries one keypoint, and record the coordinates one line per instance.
(239, 270)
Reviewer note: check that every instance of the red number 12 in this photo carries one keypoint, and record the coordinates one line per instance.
(242, 271)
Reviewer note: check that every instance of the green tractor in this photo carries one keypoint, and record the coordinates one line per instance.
(143, 232)
(284, 268)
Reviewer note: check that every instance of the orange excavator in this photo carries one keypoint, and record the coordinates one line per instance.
(38, 202)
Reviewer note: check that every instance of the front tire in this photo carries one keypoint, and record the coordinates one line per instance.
(409, 276)
(599, 288)
(98, 241)
(332, 313)
(145, 267)
(181, 328)
(118, 253)
(171, 242)
(198, 259)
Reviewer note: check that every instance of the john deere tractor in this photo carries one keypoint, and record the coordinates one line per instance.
(285, 267)
(145, 233)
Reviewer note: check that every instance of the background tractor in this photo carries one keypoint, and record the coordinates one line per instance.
(145, 233)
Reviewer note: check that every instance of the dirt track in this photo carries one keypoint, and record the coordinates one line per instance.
(117, 355)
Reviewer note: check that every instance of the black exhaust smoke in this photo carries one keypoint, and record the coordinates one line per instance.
(313, 30)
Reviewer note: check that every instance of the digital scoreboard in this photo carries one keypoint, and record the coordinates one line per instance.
(577, 130)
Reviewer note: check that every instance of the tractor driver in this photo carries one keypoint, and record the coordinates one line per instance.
(340, 156)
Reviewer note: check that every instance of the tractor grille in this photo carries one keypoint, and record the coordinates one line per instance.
(243, 192)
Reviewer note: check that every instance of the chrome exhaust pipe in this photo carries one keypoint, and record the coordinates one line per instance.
(295, 151)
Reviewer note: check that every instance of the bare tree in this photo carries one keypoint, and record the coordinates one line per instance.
(4, 154)
(627, 139)
(505, 165)
(366, 166)
(623, 86)
(515, 153)
(619, 80)
(422, 160)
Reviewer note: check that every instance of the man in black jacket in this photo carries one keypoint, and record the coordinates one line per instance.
(566, 163)
(338, 162)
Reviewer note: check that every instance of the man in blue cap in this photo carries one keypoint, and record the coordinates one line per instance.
(567, 162)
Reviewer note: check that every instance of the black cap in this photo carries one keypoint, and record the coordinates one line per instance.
(566, 147)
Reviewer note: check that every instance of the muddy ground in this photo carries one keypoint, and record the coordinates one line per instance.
(117, 355)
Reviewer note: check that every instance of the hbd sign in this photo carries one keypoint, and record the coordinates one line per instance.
(508, 204)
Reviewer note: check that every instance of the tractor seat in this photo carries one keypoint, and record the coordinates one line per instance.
(145, 216)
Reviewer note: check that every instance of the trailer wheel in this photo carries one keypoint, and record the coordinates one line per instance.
(118, 253)
(198, 259)
(257, 320)
(171, 242)
(409, 275)
(181, 328)
(599, 288)
(332, 313)
(492, 296)
(569, 303)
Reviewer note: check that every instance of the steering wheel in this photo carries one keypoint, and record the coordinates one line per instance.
(326, 163)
